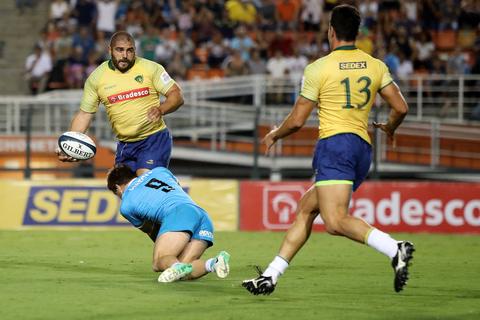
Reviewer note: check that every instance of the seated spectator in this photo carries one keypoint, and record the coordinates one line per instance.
(287, 13)
(235, 66)
(203, 25)
(185, 18)
(296, 65)
(165, 50)
(311, 14)
(37, 68)
(176, 68)
(277, 68)
(256, 64)
(242, 43)
(405, 67)
(75, 68)
(62, 45)
(457, 63)
(267, 15)
(392, 61)
(102, 46)
(106, 11)
(57, 79)
(217, 50)
(92, 64)
(423, 50)
(369, 12)
(84, 12)
(185, 47)
(281, 43)
(241, 11)
(84, 40)
(148, 43)
(58, 8)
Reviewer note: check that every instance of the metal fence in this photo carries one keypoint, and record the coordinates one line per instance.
(223, 110)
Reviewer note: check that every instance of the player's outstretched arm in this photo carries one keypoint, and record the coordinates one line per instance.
(80, 123)
(399, 109)
(292, 122)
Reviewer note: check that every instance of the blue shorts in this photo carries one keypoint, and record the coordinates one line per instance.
(345, 157)
(149, 153)
(191, 219)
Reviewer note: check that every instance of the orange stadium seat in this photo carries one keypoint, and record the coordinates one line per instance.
(216, 73)
(197, 73)
(445, 40)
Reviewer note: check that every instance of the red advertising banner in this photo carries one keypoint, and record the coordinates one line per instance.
(391, 206)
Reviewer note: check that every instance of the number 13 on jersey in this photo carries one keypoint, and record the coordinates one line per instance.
(364, 83)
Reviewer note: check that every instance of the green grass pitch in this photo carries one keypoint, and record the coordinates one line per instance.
(107, 275)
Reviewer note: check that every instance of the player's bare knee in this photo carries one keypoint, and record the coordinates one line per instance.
(333, 227)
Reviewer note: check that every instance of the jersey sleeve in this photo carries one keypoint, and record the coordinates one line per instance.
(90, 98)
(161, 79)
(310, 84)
(385, 76)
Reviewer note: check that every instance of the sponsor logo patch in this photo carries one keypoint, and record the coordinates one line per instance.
(165, 77)
(353, 65)
(129, 95)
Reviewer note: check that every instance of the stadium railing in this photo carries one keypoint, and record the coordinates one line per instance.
(224, 119)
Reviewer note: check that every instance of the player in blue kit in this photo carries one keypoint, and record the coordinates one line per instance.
(156, 204)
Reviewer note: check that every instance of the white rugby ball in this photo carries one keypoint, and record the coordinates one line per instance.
(77, 145)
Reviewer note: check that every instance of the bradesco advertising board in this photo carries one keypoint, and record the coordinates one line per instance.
(391, 206)
(88, 204)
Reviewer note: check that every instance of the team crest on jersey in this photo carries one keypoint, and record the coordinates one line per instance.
(139, 78)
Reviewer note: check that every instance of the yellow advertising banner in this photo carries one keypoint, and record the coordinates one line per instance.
(88, 204)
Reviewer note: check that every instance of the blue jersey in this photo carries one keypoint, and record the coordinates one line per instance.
(151, 196)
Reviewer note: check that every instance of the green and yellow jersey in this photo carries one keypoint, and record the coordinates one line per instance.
(127, 97)
(344, 84)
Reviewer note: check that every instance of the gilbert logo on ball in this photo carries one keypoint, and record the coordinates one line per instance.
(77, 145)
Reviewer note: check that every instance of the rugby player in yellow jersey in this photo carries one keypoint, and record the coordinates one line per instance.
(130, 88)
(342, 85)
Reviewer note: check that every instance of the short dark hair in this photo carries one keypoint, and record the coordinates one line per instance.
(121, 35)
(345, 20)
(118, 175)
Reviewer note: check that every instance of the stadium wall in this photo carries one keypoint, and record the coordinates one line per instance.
(438, 207)
(86, 203)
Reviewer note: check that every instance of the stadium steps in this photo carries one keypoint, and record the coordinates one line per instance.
(18, 34)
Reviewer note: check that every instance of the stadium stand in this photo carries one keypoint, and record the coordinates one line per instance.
(431, 47)
(75, 33)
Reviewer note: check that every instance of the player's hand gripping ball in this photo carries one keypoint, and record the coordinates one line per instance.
(77, 145)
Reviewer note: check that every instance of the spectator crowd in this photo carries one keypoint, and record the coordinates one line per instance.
(215, 38)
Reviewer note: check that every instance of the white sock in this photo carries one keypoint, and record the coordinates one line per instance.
(382, 242)
(276, 268)
(209, 264)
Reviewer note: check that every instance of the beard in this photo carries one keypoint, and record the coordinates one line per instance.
(123, 65)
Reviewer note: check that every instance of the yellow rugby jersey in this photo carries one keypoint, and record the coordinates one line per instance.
(344, 84)
(127, 96)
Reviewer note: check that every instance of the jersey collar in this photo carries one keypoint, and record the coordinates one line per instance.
(347, 47)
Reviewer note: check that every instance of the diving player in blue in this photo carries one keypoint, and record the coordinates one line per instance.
(156, 204)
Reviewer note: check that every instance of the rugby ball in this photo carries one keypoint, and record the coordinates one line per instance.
(77, 145)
